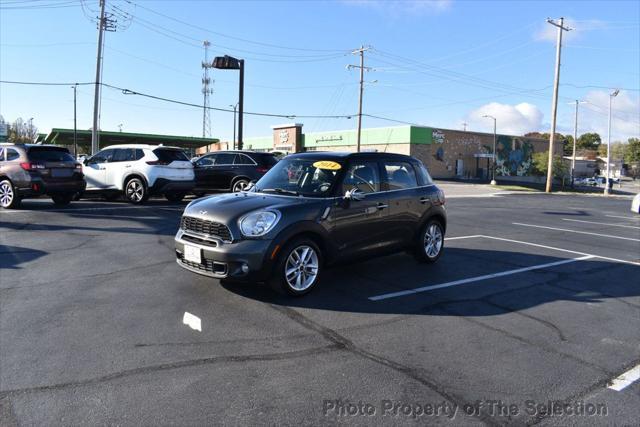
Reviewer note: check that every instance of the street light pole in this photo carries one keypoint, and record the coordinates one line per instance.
(234, 124)
(75, 122)
(240, 104)
(493, 169)
(575, 141)
(606, 183)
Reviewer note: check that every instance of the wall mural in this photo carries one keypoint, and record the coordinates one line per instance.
(514, 156)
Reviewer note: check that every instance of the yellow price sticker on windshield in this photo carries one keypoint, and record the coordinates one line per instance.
(327, 164)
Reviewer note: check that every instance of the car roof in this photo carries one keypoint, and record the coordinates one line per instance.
(261, 153)
(147, 146)
(342, 155)
(27, 145)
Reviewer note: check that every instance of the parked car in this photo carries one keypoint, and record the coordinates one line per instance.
(138, 171)
(230, 170)
(635, 204)
(335, 207)
(29, 170)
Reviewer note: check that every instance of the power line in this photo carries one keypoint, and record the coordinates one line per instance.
(44, 83)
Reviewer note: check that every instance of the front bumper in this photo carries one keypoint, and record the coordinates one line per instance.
(244, 260)
(163, 185)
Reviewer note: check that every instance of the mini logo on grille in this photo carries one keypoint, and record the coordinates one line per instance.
(203, 212)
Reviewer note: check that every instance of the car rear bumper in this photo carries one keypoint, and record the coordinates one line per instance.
(37, 187)
(245, 260)
(163, 185)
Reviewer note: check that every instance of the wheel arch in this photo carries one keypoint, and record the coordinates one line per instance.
(132, 175)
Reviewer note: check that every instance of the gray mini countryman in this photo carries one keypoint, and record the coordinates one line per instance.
(312, 210)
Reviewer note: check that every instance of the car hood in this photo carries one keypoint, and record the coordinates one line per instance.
(227, 208)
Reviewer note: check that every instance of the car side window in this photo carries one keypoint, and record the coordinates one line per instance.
(362, 175)
(225, 159)
(423, 175)
(206, 161)
(1, 154)
(400, 175)
(242, 159)
(103, 156)
(139, 154)
(123, 155)
(12, 154)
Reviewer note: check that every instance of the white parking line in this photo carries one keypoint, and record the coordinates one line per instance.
(601, 223)
(461, 237)
(575, 231)
(626, 379)
(476, 279)
(624, 217)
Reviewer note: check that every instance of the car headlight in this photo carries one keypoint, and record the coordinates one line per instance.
(258, 223)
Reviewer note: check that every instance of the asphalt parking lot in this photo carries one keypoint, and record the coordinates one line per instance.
(535, 299)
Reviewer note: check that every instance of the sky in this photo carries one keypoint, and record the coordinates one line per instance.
(441, 63)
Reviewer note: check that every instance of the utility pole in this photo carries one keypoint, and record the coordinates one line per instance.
(464, 126)
(75, 122)
(105, 23)
(235, 107)
(493, 163)
(554, 103)
(206, 91)
(362, 68)
(606, 183)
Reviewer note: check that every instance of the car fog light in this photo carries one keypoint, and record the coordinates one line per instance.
(244, 268)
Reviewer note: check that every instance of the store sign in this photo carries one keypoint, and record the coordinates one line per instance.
(329, 138)
(437, 136)
(284, 136)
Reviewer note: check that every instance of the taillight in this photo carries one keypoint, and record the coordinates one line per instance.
(262, 169)
(157, 162)
(29, 166)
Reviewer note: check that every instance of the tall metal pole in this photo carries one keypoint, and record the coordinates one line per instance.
(606, 183)
(554, 104)
(234, 125)
(360, 99)
(240, 103)
(96, 100)
(493, 174)
(75, 123)
(575, 139)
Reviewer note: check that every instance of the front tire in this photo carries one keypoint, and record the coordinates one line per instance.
(298, 269)
(8, 197)
(62, 199)
(136, 191)
(430, 242)
(174, 197)
(239, 185)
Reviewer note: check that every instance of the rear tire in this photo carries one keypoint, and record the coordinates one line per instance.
(239, 185)
(298, 269)
(174, 197)
(430, 242)
(136, 191)
(8, 197)
(62, 199)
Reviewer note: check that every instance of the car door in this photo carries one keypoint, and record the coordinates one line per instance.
(203, 170)
(407, 201)
(223, 171)
(245, 166)
(95, 169)
(358, 226)
(123, 159)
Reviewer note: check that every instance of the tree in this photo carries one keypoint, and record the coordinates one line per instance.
(22, 132)
(632, 153)
(565, 140)
(541, 162)
(589, 141)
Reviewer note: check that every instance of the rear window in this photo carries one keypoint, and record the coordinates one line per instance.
(49, 154)
(168, 155)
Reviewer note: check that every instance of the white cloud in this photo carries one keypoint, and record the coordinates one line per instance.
(404, 7)
(510, 119)
(548, 32)
(625, 123)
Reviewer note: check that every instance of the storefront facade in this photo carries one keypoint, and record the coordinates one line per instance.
(446, 153)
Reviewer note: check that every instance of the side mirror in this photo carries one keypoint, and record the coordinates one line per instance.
(86, 161)
(354, 194)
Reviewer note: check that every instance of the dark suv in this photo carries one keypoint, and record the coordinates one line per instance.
(28, 170)
(230, 170)
(312, 210)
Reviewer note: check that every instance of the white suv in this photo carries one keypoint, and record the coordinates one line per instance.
(138, 171)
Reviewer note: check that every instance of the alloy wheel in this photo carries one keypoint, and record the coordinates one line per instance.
(240, 185)
(135, 191)
(6, 194)
(433, 240)
(301, 268)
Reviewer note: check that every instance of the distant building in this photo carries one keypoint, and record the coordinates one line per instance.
(447, 153)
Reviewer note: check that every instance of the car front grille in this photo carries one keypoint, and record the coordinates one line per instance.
(207, 265)
(202, 226)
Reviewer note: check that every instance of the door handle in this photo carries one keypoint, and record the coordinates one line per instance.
(424, 200)
(381, 206)
(127, 166)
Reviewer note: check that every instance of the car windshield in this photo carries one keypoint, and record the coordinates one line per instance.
(300, 176)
